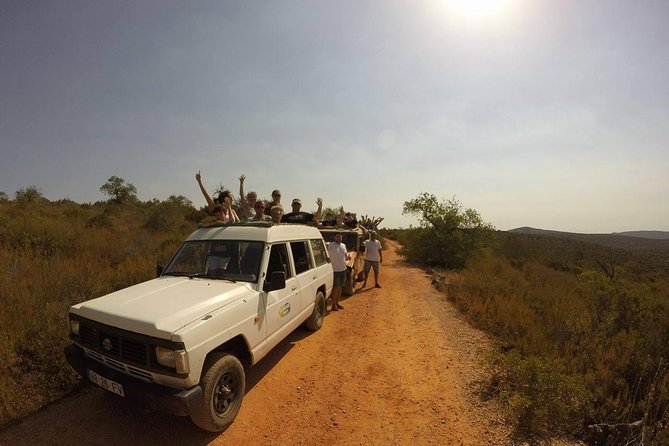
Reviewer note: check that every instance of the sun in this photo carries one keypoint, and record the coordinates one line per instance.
(478, 8)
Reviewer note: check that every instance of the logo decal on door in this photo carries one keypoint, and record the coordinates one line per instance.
(284, 309)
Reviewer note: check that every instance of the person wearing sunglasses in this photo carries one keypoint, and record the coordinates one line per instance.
(276, 201)
(260, 215)
(297, 216)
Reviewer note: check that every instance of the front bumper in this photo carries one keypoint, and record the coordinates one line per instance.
(154, 396)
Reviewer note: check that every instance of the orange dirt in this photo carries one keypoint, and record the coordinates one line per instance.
(395, 367)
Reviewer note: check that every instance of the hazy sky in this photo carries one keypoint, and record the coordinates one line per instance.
(545, 113)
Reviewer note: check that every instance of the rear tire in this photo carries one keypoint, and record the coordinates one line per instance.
(223, 386)
(315, 321)
(349, 285)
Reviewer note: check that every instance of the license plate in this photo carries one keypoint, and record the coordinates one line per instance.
(105, 383)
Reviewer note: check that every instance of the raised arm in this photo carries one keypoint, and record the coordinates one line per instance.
(242, 197)
(234, 218)
(210, 201)
(317, 215)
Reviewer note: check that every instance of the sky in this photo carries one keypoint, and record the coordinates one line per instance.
(542, 113)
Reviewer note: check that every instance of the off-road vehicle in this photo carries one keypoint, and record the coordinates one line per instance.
(226, 298)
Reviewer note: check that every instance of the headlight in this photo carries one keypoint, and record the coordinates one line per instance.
(176, 359)
(74, 327)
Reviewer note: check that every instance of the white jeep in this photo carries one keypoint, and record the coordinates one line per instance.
(226, 298)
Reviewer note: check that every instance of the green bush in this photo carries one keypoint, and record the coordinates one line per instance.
(448, 234)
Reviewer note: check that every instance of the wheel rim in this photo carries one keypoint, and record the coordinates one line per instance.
(225, 394)
(320, 312)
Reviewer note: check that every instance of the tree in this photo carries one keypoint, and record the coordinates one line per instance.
(448, 234)
(180, 200)
(30, 194)
(118, 190)
(3, 197)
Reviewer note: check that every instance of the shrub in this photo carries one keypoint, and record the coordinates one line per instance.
(448, 234)
(583, 347)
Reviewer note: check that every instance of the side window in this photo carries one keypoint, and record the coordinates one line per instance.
(320, 253)
(301, 256)
(278, 260)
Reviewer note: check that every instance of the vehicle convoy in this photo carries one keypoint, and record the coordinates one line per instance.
(354, 240)
(179, 342)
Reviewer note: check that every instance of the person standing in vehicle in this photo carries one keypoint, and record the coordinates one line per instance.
(276, 201)
(224, 201)
(338, 257)
(276, 213)
(260, 212)
(373, 257)
(246, 201)
(297, 216)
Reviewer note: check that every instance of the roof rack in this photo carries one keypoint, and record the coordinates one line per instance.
(259, 224)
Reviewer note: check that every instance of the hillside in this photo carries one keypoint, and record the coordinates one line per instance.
(657, 235)
(636, 240)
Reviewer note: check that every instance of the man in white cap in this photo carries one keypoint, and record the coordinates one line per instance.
(302, 217)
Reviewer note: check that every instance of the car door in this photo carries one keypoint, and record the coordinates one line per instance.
(322, 271)
(284, 304)
(307, 276)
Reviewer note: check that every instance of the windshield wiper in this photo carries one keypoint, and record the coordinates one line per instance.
(177, 274)
(199, 276)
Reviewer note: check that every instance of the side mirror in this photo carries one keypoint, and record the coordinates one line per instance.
(159, 270)
(277, 281)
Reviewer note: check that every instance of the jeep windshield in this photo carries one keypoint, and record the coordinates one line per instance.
(232, 260)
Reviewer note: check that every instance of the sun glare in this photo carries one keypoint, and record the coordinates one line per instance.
(478, 8)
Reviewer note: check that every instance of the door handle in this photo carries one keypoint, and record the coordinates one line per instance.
(294, 287)
(314, 277)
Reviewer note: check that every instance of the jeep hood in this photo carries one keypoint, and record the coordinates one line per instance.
(161, 306)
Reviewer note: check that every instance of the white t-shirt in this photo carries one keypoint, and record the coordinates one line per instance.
(338, 255)
(372, 248)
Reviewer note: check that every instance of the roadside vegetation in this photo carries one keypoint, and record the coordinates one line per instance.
(583, 329)
(57, 253)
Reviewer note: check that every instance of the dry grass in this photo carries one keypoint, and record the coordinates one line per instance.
(580, 346)
(55, 254)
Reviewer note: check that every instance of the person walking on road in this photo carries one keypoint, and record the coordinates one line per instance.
(338, 257)
(373, 257)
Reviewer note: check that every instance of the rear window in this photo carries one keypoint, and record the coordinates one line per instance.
(301, 256)
(320, 253)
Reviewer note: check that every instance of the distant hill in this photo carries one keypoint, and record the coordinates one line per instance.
(655, 235)
(636, 240)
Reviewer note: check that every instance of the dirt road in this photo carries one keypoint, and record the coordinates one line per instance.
(395, 367)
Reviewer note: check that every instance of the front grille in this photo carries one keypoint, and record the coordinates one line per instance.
(127, 351)
(121, 367)
(114, 345)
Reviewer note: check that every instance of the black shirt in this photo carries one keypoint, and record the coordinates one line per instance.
(297, 217)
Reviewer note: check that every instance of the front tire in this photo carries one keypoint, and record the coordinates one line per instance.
(223, 386)
(315, 321)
